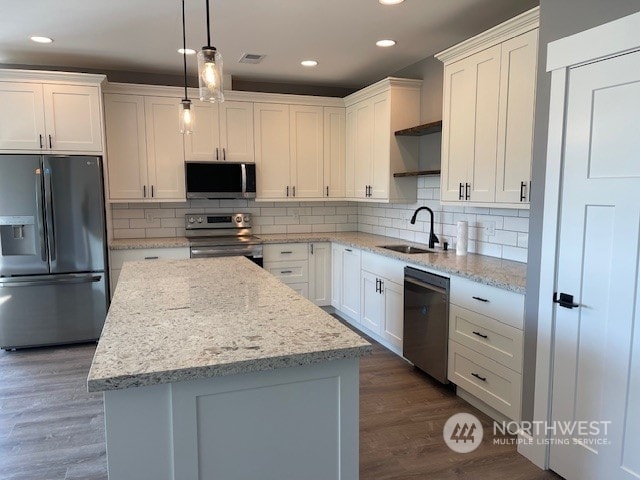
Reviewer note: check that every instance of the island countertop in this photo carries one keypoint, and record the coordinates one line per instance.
(177, 320)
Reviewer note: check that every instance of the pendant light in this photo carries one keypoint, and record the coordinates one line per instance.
(210, 70)
(186, 113)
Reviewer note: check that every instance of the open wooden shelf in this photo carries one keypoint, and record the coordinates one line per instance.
(420, 173)
(420, 130)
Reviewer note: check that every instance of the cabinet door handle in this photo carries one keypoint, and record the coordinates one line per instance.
(381, 287)
(484, 379)
(311, 246)
(286, 271)
(467, 191)
(50, 143)
(523, 185)
(327, 190)
(294, 190)
(151, 191)
(224, 153)
(377, 285)
(144, 191)
(287, 190)
(460, 194)
(152, 258)
(480, 335)
(480, 299)
(40, 140)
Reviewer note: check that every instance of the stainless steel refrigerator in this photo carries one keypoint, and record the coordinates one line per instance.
(53, 279)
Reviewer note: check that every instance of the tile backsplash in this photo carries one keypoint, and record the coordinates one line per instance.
(501, 233)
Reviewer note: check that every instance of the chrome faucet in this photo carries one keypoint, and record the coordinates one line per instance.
(433, 239)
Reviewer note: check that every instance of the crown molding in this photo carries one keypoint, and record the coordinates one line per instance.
(44, 76)
(382, 86)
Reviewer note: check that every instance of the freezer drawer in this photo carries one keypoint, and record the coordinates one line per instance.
(51, 309)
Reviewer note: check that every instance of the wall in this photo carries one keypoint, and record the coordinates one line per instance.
(558, 19)
(511, 227)
(140, 220)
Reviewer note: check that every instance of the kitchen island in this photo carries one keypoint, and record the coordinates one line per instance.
(212, 368)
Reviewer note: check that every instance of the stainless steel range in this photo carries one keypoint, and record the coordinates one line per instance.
(222, 235)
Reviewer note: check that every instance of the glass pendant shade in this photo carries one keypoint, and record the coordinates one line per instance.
(210, 75)
(186, 117)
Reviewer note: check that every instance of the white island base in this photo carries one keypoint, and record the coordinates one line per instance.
(283, 424)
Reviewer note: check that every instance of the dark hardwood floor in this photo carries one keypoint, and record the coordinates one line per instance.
(52, 429)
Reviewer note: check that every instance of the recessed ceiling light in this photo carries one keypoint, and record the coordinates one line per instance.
(385, 43)
(188, 51)
(41, 39)
(390, 2)
(308, 63)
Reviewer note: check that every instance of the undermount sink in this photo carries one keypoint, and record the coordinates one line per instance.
(407, 249)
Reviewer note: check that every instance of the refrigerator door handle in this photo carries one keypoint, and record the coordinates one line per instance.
(51, 232)
(67, 280)
(40, 207)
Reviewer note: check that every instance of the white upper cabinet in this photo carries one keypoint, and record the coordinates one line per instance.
(488, 109)
(334, 152)
(50, 112)
(271, 128)
(145, 152)
(373, 152)
(307, 145)
(222, 132)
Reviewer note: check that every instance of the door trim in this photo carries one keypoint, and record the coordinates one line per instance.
(591, 45)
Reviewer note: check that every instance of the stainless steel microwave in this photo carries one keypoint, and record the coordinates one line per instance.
(220, 180)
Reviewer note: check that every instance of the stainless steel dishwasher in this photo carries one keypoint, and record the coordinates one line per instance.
(426, 321)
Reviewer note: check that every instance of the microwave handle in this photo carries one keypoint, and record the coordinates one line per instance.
(243, 169)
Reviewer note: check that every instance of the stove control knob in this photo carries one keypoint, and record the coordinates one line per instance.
(246, 219)
(238, 219)
(191, 219)
(199, 220)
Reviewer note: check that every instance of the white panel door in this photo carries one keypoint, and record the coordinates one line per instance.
(271, 127)
(126, 146)
(482, 170)
(381, 130)
(21, 116)
(372, 302)
(73, 118)
(350, 295)
(457, 128)
(320, 273)
(334, 152)
(236, 131)
(597, 344)
(393, 312)
(204, 143)
(165, 149)
(517, 104)
(307, 145)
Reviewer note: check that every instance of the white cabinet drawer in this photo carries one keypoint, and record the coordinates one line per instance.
(118, 257)
(289, 272)
(505, 306)
(496, 340)
(285, 252)
(491, 382)
(383, 267)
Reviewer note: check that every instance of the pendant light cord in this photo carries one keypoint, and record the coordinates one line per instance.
(184, 52)
(208, 27)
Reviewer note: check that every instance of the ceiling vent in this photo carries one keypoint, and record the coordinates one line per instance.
(251, 58)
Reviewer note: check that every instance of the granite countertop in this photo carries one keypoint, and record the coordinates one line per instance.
(177, 320)
(505, 274)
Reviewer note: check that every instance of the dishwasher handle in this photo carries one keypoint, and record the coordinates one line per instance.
(418, 283)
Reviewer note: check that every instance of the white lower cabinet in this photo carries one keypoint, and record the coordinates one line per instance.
(372, 302)
(485, 345)
(118, 257)
(350, 274)
(304, 267)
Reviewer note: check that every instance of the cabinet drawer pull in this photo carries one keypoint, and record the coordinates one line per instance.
(288, 252)
(480, 299)
(348, 250)
(480, 335)
(484, 379)
(152, 258)
(286, 271)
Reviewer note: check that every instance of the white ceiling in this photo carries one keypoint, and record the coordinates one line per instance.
(143, 35)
